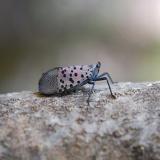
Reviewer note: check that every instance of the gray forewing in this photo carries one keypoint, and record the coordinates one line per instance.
(72, 77)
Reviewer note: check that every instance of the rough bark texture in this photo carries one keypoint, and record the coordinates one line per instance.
(65, 128)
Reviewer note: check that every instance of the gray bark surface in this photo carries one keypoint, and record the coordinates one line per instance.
(65, 128)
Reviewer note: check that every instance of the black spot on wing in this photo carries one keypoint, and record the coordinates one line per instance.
(61, 81)
(60, 90)
(71, 80)
(75, 74)
(82, 76)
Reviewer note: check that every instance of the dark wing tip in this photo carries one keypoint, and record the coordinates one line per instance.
(48, 82)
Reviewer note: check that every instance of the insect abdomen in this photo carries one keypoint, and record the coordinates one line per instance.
(48, 83)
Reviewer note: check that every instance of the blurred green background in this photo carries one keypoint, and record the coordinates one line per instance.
(36, 35)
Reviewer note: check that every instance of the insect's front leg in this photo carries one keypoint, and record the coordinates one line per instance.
(100, 78)
(106, 74)
(90, 92)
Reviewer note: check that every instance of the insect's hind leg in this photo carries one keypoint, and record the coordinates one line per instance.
(90, 92)
(107, 75)
(100, 78)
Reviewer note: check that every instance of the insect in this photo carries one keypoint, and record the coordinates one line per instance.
(61, 80)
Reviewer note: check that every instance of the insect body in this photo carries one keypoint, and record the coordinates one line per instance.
(62, 80)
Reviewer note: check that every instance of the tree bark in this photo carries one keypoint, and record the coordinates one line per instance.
(66, 128)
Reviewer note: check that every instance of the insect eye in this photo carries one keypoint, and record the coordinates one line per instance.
(98, 65)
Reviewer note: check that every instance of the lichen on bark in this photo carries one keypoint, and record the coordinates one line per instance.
(47, 128)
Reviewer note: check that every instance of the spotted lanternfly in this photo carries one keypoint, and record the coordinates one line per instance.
(62, 80)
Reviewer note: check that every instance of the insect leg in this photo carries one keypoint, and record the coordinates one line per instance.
(90, 92)
(108, 75)
(105, 78)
